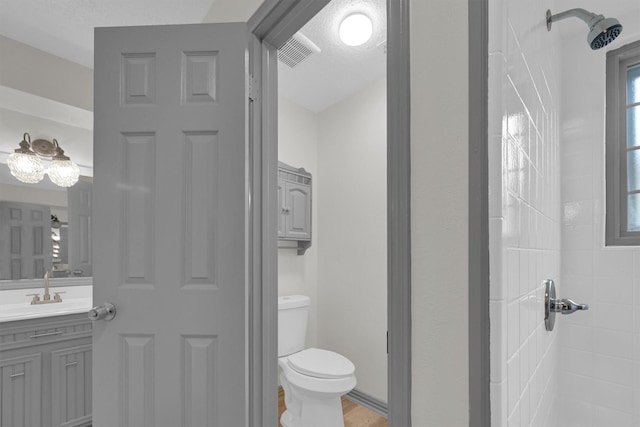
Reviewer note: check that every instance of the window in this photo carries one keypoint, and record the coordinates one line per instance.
(623, 146)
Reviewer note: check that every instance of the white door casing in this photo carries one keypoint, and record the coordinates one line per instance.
(170, 226)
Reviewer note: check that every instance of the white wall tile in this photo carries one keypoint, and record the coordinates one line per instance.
(613, 396)
(577, 362)
(498, 349)
(608, 330)
(513, 382)
(617, 317)
(613, 369)
(513, 327)
(498, 397)
(525, 410)
(610, 417)
(498, 264)
(529, 246)
(613, 343)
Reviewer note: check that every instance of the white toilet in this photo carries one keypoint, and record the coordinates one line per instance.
(313, 379)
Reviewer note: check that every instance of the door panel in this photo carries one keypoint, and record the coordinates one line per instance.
(170, 225)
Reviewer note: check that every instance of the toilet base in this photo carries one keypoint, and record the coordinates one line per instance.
(310, 409)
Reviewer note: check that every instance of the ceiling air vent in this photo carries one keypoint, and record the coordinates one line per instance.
(297, 49)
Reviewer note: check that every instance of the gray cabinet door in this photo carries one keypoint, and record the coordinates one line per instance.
(71, 386)
(20, 394)
(298, 207)
(282, 218)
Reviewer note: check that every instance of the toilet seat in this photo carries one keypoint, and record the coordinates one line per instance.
(319, 363)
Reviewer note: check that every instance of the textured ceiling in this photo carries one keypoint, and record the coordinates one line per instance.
(338, 70)
(65, 27)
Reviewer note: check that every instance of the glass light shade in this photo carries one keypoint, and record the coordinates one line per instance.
(64, 173)
(25, 167)
(356, 29)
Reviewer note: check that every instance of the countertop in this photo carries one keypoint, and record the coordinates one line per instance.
(16, 305)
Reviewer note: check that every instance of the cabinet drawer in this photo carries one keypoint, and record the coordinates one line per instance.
(32, 332)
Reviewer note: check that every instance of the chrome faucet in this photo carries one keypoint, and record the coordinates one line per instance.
(46, 297)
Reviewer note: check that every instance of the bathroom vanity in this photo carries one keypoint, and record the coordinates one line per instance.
(45, 361)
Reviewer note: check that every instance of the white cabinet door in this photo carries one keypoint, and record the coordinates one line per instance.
(20, 404)
(170, 226)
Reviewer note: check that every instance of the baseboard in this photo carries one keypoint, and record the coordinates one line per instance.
(376, 405)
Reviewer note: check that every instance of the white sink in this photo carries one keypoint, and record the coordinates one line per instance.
(15, 305)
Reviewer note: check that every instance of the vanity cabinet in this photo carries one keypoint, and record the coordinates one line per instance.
(294, 202)
(46, 372)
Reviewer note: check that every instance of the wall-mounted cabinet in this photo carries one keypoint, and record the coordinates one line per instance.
(294, 202)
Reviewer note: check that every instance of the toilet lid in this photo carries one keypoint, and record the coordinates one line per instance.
(321, 363)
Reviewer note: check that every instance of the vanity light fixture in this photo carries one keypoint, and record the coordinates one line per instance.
(26, 166)
(356, 29)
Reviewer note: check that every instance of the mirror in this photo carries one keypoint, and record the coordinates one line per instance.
(44, 227)
(47, 118)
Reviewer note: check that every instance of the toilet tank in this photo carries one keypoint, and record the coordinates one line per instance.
(293, 313)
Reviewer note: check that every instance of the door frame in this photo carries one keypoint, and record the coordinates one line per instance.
(272, 25)
(478, 252)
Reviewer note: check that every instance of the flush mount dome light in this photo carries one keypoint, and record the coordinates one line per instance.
(356, 29)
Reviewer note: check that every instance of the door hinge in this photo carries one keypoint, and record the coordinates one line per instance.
(253, 88)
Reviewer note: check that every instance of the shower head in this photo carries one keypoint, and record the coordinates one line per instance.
(602, 31)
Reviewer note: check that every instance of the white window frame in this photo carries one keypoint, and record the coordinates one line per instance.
(618, 61)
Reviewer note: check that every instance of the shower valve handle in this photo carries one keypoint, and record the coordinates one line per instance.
(567, 306)
(553, 305)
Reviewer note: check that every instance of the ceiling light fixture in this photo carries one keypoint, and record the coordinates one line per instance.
(26, 166)
(356, 29)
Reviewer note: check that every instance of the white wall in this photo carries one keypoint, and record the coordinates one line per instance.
(40, 73)
(352, 234)
(439, 212)
(344, 271)
(298, 135)
(600, 354)
(524, 187)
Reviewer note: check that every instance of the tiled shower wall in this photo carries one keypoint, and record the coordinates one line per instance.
(524, 186)
(600, 348)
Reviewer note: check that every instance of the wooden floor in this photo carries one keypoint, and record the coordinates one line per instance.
(354, 414)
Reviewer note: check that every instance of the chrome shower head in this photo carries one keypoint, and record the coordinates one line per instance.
(602, 31)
